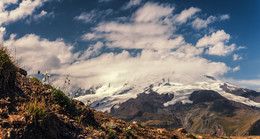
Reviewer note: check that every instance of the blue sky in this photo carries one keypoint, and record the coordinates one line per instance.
(104, 41)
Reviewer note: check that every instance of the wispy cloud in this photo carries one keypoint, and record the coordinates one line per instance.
(199, 23)
(93, 16)
(236, 68)
(237, 57)
(131, 3)
(186, 14)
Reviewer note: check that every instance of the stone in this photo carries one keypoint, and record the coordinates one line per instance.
(23, 72)
(16, 119)
(182, 130)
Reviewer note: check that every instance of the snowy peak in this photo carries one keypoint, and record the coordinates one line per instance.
(107, 96)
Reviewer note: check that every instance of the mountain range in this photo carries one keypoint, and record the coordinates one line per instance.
(203, 105)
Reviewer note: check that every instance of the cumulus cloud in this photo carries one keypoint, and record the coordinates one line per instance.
(24, 9)
(131, 3)
(93, 15)
(220, 49)
(186, 14)
(35, 53)
(216, 43)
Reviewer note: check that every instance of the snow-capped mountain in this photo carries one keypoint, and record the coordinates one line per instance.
(203, 105)
(105, 97)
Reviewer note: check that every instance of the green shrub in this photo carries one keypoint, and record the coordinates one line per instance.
(37, 109)
(35, 79)
(58, 97)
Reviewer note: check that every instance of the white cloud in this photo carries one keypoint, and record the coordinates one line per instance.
(236, 68)
(186, 14)
(43, 13)
(216, 43)
(216, 37)
(89, 36)
(120, 68)
(237, 57)
(131, 3)
(200, 23)
(25, 8)
(93, 15)
(92, 51)
(220, 49)
(35, 53)
(149, 12)
(224, 17)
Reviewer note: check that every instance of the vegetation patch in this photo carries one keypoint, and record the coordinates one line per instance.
(36, 80)
(111, 134)
(58, 97)
(129, 132)
(7, 70)
(37, 109)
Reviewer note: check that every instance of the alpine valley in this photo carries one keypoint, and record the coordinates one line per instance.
(203, 105)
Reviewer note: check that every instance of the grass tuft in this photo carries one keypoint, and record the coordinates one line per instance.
(37, 109)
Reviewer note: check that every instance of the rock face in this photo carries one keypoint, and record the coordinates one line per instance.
(148, 109)
(210, 113)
